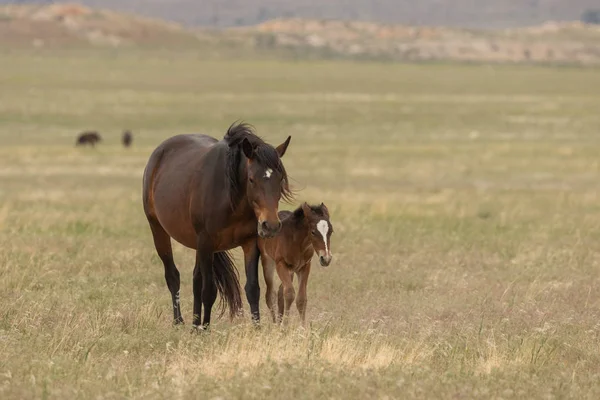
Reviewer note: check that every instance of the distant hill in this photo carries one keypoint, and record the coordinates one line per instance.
(495, 14)
(72, 24)
(60, 25)
(568, 42)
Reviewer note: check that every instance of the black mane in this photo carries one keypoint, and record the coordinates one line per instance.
(264, 153)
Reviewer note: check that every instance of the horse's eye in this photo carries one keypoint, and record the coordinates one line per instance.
(251, 181)
(315, 233)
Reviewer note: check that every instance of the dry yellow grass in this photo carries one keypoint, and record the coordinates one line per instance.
(464, 200)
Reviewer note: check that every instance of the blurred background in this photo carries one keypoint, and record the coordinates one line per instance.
(487, 30)
(455, 144)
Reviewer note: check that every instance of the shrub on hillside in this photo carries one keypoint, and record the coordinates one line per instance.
(591, 17)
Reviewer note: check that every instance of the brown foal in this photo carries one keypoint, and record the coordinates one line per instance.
(305, 231)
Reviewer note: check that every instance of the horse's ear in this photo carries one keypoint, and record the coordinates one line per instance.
(325, 210)
(306, 209)
(283, 147)
(247, 149)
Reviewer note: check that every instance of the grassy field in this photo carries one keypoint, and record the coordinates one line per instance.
(464, 200)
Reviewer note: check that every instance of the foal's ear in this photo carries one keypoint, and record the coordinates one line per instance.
(306, 209)
(325, 210)
(283, 147)
(247, 149)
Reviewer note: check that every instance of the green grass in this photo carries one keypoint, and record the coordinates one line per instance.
(464, 200)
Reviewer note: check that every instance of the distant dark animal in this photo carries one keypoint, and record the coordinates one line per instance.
(127, 138)
(213, 196)
(88, 137)
(304, 232)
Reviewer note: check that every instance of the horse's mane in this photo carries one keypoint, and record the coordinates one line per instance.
(264, 153)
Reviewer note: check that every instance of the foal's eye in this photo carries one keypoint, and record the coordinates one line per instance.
(251, 181)
(315, 233)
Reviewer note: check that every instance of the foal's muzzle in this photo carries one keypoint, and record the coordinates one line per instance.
(268, 229)
(325, 260)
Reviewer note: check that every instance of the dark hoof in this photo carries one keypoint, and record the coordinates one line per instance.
(178, 321)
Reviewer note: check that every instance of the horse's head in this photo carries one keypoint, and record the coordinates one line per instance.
(266, 182)
(320, 228)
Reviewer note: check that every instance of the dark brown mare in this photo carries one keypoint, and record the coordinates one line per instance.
(127, 138)
(304, 232)
(213, 196)
(88, 137)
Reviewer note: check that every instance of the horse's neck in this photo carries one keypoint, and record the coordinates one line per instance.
(241, 207)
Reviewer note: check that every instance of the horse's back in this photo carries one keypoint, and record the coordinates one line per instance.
(168, 183)
(176, 153)
(176, 147)
(88, 137)
(189, 141)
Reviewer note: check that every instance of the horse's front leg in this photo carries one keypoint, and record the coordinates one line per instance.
(301, 300)
(251, 255)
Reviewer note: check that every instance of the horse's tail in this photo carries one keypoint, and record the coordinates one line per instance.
(227, 282)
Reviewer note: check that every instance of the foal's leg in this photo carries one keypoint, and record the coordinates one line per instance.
(288, 288)
(280, 302)
(268, 270)
(251, 255)
(301, 300)
(280, 299)
(162, 243)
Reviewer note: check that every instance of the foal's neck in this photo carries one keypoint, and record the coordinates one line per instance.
(295, 231)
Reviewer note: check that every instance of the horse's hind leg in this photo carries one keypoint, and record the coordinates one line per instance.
(162, 243)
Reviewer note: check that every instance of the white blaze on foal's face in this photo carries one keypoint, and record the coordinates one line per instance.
(268, 173)
(323, 228)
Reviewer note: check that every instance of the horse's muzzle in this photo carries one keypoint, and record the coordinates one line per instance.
(268, 230)
(325, 260)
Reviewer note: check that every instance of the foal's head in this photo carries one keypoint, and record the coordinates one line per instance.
(263, 175)
(320, 230)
